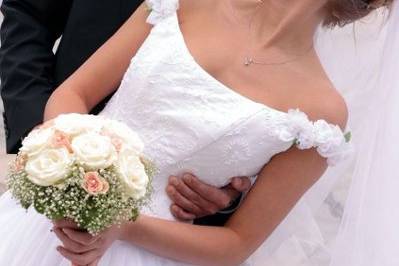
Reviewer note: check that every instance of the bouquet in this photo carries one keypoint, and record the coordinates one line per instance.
(85, 168)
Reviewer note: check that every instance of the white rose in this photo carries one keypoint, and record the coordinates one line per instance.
(298, 120)
(306, 137)
(49, 166)
(330, 139)
(75, 124)
(132, 173)
(36, 141)
(94, 151)
(297, 125)
(323, 132)
(126, 134)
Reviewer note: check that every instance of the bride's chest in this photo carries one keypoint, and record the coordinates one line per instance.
(191, 122)
(187, 128)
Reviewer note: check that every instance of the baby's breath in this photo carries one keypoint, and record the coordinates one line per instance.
(68, 199)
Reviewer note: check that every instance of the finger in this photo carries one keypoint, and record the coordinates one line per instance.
(80, 237)
(241, 184)
(70, 244)
(231, 193)
(65, 223)
(192, 196)
(80, 259)
(181, 214)
(181, 201)
(67, 242)
(214, 195)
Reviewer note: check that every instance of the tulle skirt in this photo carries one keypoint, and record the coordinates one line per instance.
(26, 240)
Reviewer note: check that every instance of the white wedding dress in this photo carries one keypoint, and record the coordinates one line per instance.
(189, 122)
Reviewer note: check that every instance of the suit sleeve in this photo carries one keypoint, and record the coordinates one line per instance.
(28, 34)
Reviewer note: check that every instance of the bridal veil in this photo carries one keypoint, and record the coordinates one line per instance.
(362, 61)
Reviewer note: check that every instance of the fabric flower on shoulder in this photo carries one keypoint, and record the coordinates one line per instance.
(303, 129)
(329, 140)
(296, 128)
(161, 9)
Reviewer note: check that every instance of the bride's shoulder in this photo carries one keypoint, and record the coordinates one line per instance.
(328, 104)
(195, 4)
(188, 8)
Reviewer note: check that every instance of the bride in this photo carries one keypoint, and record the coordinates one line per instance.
(217, 88)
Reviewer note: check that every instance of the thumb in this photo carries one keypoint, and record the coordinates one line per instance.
(241, 184)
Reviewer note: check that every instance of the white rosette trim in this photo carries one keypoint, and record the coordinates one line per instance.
(161, 9)
(329, 140)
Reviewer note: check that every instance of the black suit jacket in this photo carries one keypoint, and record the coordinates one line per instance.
(30, 71)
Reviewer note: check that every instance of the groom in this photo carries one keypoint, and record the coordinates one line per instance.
(30, 72)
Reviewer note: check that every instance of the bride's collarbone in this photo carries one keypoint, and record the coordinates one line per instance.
(281, 88)
(220, 51)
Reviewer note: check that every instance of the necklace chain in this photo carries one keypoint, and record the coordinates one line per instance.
(249, 60)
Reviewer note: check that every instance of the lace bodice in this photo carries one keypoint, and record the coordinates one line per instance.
(190, 122)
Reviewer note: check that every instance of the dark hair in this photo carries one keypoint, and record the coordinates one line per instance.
(342, 12)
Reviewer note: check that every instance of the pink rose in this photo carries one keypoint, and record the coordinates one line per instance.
(60, 139)
(94, 184)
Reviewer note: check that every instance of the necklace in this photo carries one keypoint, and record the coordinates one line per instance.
(249, 60)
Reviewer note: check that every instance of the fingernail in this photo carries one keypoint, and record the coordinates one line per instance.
(238, 181)
(187, 177)
(174, 181)
(171, 190)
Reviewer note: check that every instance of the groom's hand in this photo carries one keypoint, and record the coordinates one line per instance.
(193, 199)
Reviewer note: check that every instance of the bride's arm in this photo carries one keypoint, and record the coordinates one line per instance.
(101, 74)
(280, 185)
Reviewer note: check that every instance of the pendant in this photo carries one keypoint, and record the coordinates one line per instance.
(248, 61)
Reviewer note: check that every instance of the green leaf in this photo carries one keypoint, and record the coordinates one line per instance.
(348, 136)
(25, 204)
(135, 214)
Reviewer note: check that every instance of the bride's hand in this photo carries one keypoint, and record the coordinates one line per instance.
(80, 247)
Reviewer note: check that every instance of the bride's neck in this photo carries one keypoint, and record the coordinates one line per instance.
(288, 24)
